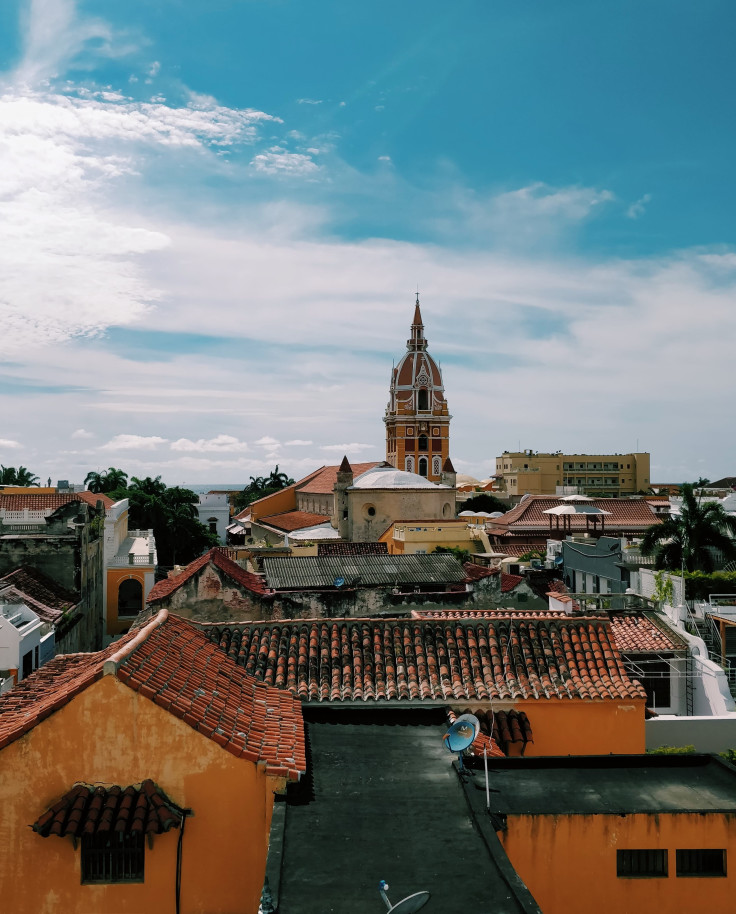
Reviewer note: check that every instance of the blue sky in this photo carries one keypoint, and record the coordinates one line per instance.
(213, 217)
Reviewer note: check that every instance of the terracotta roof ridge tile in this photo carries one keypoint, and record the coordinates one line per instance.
(112, 663)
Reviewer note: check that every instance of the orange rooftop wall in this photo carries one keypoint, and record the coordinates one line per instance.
(568, 862)
(110, 734)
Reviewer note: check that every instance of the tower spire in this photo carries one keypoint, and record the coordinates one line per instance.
(417, 341)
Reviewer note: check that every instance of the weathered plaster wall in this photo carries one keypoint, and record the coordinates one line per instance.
(569, 862)
(110, 734)
(394, 504)
(70, 552)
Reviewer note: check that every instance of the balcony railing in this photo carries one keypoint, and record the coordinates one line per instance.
(131, 559)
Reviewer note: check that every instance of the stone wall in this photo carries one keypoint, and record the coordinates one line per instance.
(71, 552)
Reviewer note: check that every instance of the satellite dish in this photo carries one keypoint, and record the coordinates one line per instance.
(339, 582)
(462, 733)
(407, 905)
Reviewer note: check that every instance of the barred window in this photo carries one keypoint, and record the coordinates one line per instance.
(641, 864)
(701, 862)
(115, 857)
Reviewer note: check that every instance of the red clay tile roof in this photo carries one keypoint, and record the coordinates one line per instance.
(642, 633)
(172, 663)
(50, 501)
(510, 581)
(44, 596)
(96, 810)
(624, 514)
(475, 572)
(517, 549)
(415, 660)
(505, 612)
(322, 482)
(252, 582)
(347, 549)
(294, 520)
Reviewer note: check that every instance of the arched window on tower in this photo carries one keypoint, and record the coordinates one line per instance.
(423, 443)
(423, 399)
(422, 466)
(436, 466)
(409, 464)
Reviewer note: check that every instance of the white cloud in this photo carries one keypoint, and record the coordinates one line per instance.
(267, 441)
(220, 445)
(309, 101)
(297, 442)
(54, 36)
(133, 443)
(280, 162)
(82, 433)
(353, 448)
(69, 264)
(638, 208)
(9, 443)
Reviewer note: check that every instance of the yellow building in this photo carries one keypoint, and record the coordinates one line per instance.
(109, 755)
(529, 472)
(130, 560)
(417, 419)
(421, 537)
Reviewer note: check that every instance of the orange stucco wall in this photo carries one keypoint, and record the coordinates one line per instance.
(113, 735)
(569, 862)
(274, 504)
(578, 727)
(115, 577)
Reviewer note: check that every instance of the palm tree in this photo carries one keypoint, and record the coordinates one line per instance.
(278, 480)
(115, 479)
(95, 482)
(682, 541)
(9, 476)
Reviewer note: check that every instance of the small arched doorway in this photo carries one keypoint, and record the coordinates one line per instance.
(130, 597)
(422, 466)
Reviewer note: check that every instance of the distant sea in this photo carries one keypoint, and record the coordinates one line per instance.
(201, 487)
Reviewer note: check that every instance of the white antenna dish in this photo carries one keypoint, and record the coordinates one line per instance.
(407, 905)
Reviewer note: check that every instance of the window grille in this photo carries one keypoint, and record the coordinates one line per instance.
(114, 857)
(701, 862)
(641, 864)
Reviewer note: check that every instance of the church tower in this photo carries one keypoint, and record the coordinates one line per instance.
(417, 419)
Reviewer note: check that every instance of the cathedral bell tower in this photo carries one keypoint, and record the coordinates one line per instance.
(417, 419)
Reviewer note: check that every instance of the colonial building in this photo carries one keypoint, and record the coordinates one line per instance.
(532, 473)
(417, 419)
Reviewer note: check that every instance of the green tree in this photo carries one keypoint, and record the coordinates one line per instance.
(485, 502)
(260, 486)
(462, 555)
(683, 539)
(112, 480)
(172, 515)
(10, 476)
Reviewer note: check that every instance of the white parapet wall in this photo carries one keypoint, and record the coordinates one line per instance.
(706, 734)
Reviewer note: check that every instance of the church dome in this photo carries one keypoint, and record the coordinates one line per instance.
(386, 477)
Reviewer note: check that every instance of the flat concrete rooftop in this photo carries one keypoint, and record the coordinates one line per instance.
(614, 785)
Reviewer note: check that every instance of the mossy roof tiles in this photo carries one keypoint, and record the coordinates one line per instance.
(415, 660)
(174, 664)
